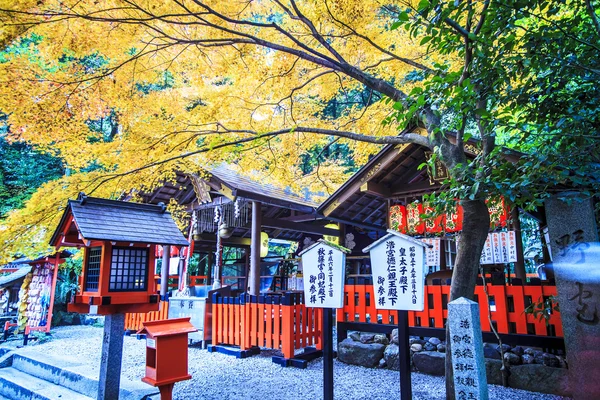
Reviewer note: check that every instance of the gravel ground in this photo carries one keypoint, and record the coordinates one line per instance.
(217, 376)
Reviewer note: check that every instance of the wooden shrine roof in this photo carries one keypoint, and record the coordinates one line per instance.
(91, 218)
(285, 215)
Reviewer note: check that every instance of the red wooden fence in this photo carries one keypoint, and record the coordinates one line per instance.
(276, 322)
(133, 321)
(509, 303)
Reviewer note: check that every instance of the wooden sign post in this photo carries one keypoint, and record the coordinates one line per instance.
(398, 264)
(324, 264)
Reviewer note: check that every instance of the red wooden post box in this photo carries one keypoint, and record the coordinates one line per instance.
(167, 353)
(119, 240)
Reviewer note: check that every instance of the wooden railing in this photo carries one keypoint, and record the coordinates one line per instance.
(133, 321)
(508, 305)
(275, 322)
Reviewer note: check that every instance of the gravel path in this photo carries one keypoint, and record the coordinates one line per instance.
(217, 376)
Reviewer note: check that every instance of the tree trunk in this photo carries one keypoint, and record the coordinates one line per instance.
(476, 224)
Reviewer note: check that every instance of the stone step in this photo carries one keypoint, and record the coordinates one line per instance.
(72, 374)
(18, 385)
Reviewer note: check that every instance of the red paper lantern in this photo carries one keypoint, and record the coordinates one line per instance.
(397, 218)
(454, 219)
(433, 224)
(413, 219)
(498, 212)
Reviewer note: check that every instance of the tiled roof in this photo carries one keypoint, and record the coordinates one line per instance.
(18, 274)
(119, 221)
(240, 182)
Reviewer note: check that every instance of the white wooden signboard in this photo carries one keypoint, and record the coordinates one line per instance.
(398, 266)
(323, 266)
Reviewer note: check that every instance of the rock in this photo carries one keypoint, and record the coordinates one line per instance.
(441, 348)
(492, 371)
(382, 363)
(430, 362)
(417, 341)
(518, 350)
(562, 362)
(512, 359)
(367, 337)
(416, 347)
(539, 357)
(381, 339)
(550, 360)
(540, 378)
(529, 351)
(394, 336)
(434, 341)
(357, 353)
(528, 359)
(354, 336)
(391, 355)
(490, 352)
(505, 348)
(429, 347)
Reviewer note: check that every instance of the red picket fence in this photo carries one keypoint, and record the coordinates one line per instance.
(508, 305)
(133, 321)
(276, 322)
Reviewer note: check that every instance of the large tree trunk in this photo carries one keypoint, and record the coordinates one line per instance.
(476, 224)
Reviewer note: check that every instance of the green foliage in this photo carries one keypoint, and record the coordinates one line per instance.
(67, 282)
(543, 308)
(22, 171)
(40, 337)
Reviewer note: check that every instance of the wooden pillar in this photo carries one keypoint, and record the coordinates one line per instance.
(164, 273)
(254, 278)
(520, 272)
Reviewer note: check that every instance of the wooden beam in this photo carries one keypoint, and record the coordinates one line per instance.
(406, 188)
(302, 218)
(366, 176)
(212, 238)
(298, 227)
(375, 189)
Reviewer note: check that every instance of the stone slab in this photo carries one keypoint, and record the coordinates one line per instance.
(577, 272)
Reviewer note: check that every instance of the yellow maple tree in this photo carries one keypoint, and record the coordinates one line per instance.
(193, 84)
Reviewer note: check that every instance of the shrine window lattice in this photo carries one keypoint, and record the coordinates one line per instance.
(128, 269)
(92, 275)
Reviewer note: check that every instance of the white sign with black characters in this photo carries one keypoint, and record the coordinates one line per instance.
(398, 267)
(324, 266)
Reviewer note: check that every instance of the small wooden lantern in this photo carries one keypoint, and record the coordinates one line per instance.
(167, 353)
(119, 240)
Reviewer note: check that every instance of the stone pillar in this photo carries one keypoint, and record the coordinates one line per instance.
(468, 364)
(569, 221)
(254, 278)
(112, 354)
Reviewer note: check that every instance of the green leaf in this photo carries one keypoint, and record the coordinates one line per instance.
(425, 40)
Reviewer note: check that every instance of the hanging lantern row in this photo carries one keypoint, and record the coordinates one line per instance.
(409, 219)
(235, 214)
(175, 251)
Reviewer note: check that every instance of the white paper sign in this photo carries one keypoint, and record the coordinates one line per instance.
(500, 248)
(512, 246)
(398, 273)
(324, 276)
(487, 254)
(496, 248)
(432, 254)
